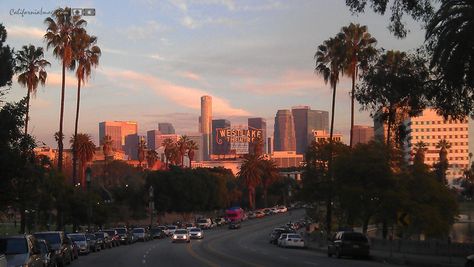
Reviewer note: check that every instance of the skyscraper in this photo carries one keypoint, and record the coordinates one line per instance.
(197, 138)
(206, 125)
(362, 134)
(260, 123)
(118, 131)
(166, 128)
(131, 146)
(284, 134)
(306, 121)
(224, 147)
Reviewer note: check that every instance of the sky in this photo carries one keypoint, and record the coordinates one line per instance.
(159, 57)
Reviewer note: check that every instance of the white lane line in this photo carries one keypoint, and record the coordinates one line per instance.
(144, 261)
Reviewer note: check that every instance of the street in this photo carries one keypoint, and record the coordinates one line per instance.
(247, 246)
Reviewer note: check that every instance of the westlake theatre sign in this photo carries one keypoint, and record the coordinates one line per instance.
(238, 135)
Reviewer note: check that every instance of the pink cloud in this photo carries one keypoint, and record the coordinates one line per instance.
(25, 32)
(190, 75)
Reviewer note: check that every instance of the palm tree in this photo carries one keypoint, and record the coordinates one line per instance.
(452, 44)
(30, 64)
(269, 176)
(107, 149)
(192, 146)
(359, 50)
(442, 166)
(86, 55)
(250, 176)
(168, 144)
(151, 158)
(182, 145)
(141, 151)
(420, 149)
(61, 29)
(329, 63)
(85, 152)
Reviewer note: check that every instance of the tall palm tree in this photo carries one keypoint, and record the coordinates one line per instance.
(250, 176)
(62, 26)
(359, 48)
(107, 149)
(85, 152)
(329, 64)
(269, 176)
(169, 145)
(182, 145)
(30, 64)
(192, 147)
(151, 158)
(442, 166)
(420, 149)
(86, 56)
(141, 151)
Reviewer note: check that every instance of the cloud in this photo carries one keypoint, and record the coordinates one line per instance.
(192, 23)
(156, 56)
(148, 30)
(190, 75)
(113, 51)
(183, 96)
(25, 32)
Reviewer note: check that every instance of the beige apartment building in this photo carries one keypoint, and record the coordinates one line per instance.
(430, 128)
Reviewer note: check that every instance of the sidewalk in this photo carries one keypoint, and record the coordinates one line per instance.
(404, 258)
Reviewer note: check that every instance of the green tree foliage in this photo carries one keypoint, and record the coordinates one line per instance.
(450, 41)
(419, 10)
(6, 62)
(250, 175)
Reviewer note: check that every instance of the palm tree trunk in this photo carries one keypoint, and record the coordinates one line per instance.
(61, 117)
(351, 142)
(74, 146)
(27, 111)
(331, 178)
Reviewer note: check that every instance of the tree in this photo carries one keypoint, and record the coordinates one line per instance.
(192, 147)
(417, 9)
(329, 64)
(451, 46)
(394, 87)
(169, 145)
(269, 176)
(62, 27)
(182, 146)
(442, 166)
(7, 62)
(85, 152)
(141, 151)
(420, 149)
(86, 56)
(250, 176)
(151, 158)
(359, 50)
(30, 67)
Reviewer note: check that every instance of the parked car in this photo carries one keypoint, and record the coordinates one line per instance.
(259, 214)
(170, 229)
(3, 260)
(189, 225)
(125, 236)
(47, 254)
(59, 243)
(140, 234)
(291, 240)
(196, 233)
(114, 237)
(275, 234)
(157, 233)
(234, 225)
(347, 243)
(93, 241)
(81, 241)
(469, 261)
(21, 250)
(181, 235)
(103, 239)
(220, 221)
(204, 223)
(74, 247)
(282, 209)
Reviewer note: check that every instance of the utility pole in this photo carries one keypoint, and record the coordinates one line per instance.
(151, 205)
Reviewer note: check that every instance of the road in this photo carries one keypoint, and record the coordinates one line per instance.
(247, 246)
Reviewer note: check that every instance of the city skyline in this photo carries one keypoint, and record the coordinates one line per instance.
(177, 51)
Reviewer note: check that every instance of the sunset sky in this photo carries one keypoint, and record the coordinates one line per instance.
(159, 56)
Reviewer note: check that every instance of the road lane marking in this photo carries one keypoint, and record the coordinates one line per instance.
(196, 256)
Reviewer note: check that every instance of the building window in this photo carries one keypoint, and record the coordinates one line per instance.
(456, 136)
(432, 122)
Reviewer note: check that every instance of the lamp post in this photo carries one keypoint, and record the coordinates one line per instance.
(89, 208)
(151, 205)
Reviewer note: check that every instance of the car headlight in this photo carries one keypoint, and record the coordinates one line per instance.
(174, 237)
(199, 234)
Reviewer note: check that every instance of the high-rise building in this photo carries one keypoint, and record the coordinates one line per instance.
(260, 123)
(430, 128)
(131, 146)
(270, 145)
(151, 138)
(362, 134)
(305, 122)
(220, 147)
(118, 131)
(284, 133)
(166, 128)
(205, 122)
(197, 138)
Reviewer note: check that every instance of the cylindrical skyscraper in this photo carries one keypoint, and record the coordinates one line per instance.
(205, 123)
(284, 134)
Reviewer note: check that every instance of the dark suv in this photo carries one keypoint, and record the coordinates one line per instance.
(125, 236)
(22, 250)
(62, 248)
(349, 244)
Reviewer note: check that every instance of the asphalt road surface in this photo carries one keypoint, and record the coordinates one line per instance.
(247, 246)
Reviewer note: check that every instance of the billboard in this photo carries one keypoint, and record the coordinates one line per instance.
(238, 137)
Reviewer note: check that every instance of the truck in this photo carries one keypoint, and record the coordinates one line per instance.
(235, 214)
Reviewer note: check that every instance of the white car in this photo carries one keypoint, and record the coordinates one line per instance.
(196, 233)
(204, 223)
(282, 209)
(181, 235)
(170, 229)
(291, 240)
